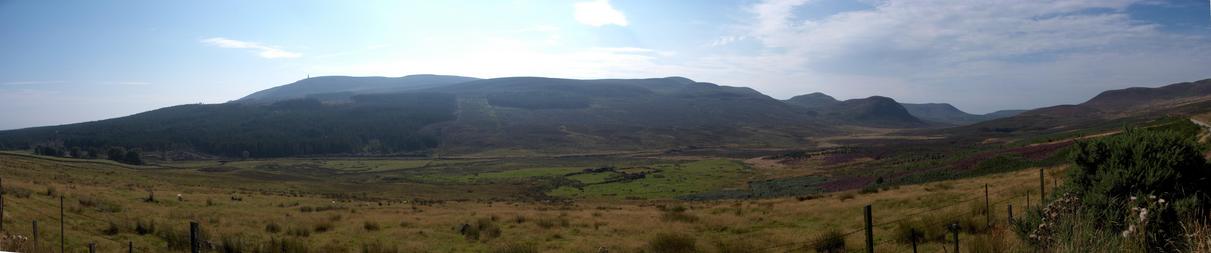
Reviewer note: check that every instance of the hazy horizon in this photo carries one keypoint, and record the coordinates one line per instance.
(84, 61)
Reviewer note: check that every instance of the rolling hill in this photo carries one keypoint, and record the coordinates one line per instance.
(438, 113)
(1108, 109)
(918, 114)
(948, 114)
(875, 111)
(348, 85)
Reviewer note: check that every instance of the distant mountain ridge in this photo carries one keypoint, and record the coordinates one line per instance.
(946, 113)
(915, 115)
(350, 85)
(428, 114)
(448, 114)
(1121, 105)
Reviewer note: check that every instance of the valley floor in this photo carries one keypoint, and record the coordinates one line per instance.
(109, 205)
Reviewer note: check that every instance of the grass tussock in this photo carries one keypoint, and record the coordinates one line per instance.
(514, 247)
(832, 241)
(672, 243)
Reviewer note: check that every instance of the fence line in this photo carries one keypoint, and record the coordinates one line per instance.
(194, 226)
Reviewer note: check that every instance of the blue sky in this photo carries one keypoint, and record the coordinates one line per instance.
(73, 61)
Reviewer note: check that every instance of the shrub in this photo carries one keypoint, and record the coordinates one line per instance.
(378, 247)
(176, 239)
(672, 243)
(18, 192)
(144, 227)
(677, 214)
(112, 229)
(909, 231)
(1165, 165)
(233, 244)
(990, 243)
(284, 245)
(323, 226)
(273, 228)
(298, 232)
(831, 242)
(846, 196)
(737, 246)
(514, 248)
(370, 226)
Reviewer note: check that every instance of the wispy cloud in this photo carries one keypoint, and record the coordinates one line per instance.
(599, 13)
(975, 53)
(725, 40)
(262, 50)
(31, 82)
(125, 83)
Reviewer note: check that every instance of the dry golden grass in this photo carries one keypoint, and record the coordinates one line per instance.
(229, 207)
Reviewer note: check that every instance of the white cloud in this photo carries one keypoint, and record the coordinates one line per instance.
(725, 40)
(262, 50)
(972, 52)
(599, 13)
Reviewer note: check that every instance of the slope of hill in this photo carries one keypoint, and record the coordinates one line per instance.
(938, 113)
(948, 114)
(521, 113)
(813, 100)
(548, 113)
(1004, 113)
(1108, 109)
(374, 123)
(873, 111)
(351, 86)
(1124, 99)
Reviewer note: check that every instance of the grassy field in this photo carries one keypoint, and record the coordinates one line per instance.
(107, 203)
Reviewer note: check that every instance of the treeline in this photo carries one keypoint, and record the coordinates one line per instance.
(379, 124)
(117, 154)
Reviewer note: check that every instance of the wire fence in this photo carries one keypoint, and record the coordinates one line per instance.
(42, 219)
(988, 212)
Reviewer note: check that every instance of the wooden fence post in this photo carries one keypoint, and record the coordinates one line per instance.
(62, 236)
(193, 237)
(912, 232)
(92, 247)
(954, 228)
(130, 246)
(1042, 189)
(1010, 220)
(1, 204)
(870, 231)
(35, 235)
(987, 207)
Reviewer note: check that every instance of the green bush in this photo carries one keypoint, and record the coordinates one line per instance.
(1166, 165)
(672, 243)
